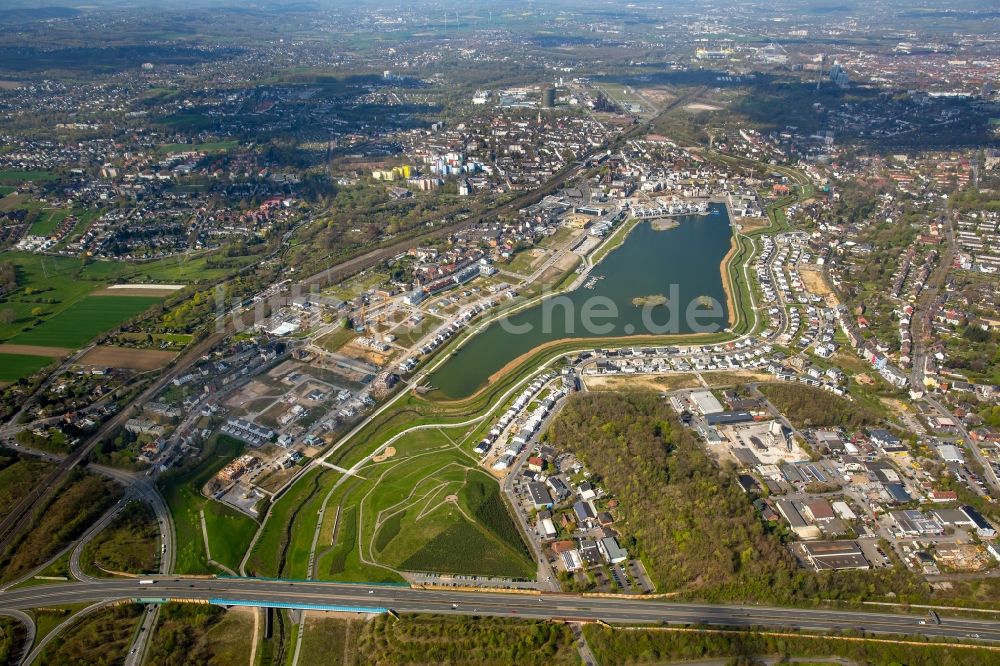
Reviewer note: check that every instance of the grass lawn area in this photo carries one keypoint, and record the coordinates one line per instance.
(357, 285)
(16, 366)
(50, 617)
(283, 547)
(229, 533)
(85, 319)
(337, 339)
(48, 221)
(409, 335)
(6, 189)
(526, 261)
(8, 176)
(182, 490)
(207, 147)
(174, 270)
(330, 639)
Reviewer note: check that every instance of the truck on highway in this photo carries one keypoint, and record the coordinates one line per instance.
(932, 618)
(146, 581)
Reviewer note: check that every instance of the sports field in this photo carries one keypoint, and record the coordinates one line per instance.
(88, 317)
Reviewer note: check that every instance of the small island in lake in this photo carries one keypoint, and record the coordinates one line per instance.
(664, 224)
(652, 301)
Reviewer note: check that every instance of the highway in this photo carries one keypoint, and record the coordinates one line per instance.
(447, 601)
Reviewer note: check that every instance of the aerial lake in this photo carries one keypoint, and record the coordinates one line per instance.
(682, 264)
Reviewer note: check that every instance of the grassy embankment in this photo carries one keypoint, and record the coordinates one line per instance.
(229, 531)
(82, 500)
(130, 544)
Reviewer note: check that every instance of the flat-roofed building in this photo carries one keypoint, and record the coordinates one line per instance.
(706, 403)
(795, 520)
(912, 523)
(540, 497)
(982, 526)
(835, 555)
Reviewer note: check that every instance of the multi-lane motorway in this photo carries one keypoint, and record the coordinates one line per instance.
(306, 594)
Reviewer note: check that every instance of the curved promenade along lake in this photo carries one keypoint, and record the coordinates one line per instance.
(644, 267)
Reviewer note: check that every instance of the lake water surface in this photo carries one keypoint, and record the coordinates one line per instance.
(681, 263)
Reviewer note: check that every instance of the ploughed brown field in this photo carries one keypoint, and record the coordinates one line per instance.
(35, 350)
(124, 357)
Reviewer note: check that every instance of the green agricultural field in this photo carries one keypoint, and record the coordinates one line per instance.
(16, 366)
(48, 221)
(8, 176)
(6, 189)
(49, 285)
(82, 321)
(229, 531)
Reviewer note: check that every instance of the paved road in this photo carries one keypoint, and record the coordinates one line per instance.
(75, 567)
(29, 632)
(140, 641)
(543, 606)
